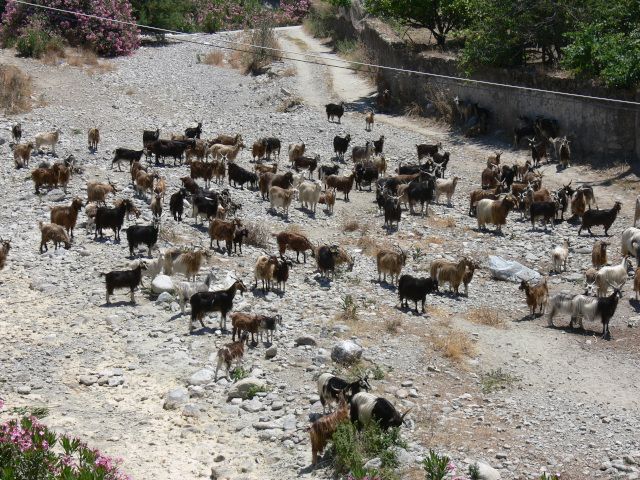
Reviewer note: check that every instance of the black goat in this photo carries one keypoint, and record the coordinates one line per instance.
(170, 148)
(341, 145)
(392, 212)
(367, 408)
(273, 146)
(326, 258)
(238, 235)
(538, 151)
(378, 145)
(112, 218)
(421, 192)
(150, 136)
(124, 279)
(325, 170)
(142, 235)
(544, 211)
(334, 110)
(425, 150)
(607, 307)
(415, 289)
(508, 175)
(191, 186)
(564, 195)
(330, 386)
(204, 206)
(218, 301)
(281, 273)
(413, 168)
(545, 127)
(591, 218)
(126, 155)
(194, 132)
(176, 204)
(365, 173)
(16, 133)
(239, 175)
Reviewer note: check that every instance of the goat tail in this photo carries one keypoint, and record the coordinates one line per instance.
(40, 223)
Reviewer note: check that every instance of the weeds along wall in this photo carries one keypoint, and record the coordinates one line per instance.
(603, 131)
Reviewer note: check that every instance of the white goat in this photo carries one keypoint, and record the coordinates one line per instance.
(150, 268)
(446, 187)
(50, 139)
(611, 276)
(186, 289)
(559, 257)
(630, 243)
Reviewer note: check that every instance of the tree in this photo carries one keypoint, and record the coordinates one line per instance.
(438, 16)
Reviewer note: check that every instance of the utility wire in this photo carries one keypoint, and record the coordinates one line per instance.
(478, 84)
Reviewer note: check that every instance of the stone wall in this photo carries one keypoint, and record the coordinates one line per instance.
(604, 129)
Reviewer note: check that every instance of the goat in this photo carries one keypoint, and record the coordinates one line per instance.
(341, 184)
(112, 218)
(16, 132)
(538, 151)
(495, 212)
(306, 163)
(193, 132)
(368, 118)
(238, 235)
(296, 242)
(490, 177)
(150, 135)
(325, 171)
(144, 182)
(185, 290)
(630, 243)
(341, 145)
(611, 275)
(268, 179)
(273, 146)
(564, 155)
(260, 169)
(55, 233)
(222, 230)
(378, 145)
(367, 408)
(365, 172)
(334, 110)
(187, 263)
(590, 281)
(124, 279)
(243, 324)
(227, 139)
(229, 353)
(295, 151)
(591, 218)
(425, 150)
(46, 176)
(384, 100)
(4, 250)
(476, 195)
(279, 197)
(281, 273)
(599, 253)
(142, 235)
(67, 216)
(465, 108)
(545, 211)
(218, 301)
(446, 187)
(93, 136)
(381, 164)
(176, 204)
(97, 192)
(392, 213)
(536, 296)
(309, 194)
(328, 199)
(330, 387)
(390, 262)
(326, 257)
(50, 139)
(468, 275)
(322, 430)
(452, 273)
(636, 281)
(362, 154)
(494, 160)
(22, 155)
(239, 175)
(204, 206)
(421, 192)
(156, 207)
(559, 257)
(259, 149)
(636, 214)
(228, 152)
(578, 204)
(415, 289)
(525, 131)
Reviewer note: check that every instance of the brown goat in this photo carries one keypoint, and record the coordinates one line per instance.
(328, 199)
(477, 195)
(260, 168)
(636, 281)
(468, 275)
(323, 428)
(535, 295)
(156, 206)
(4, 251)
(46, 176)
(296, 151)
(227, 139)
(599, 254)
(341, 184)
(161, 188)
(129, 208)
(97, 192)
(296, 242)
(230, 352)
(495, 212)
(135, 168)
(578, 204)
(202, 170)
(94, 138)
(490, 177)
(391, 262)
(221, 230)
(245, 322)
(64, 175)
(219, 170)
(22, 154)
(55, 233)
(67, 216)
(259, 149)
(144, 182)
(452, 273)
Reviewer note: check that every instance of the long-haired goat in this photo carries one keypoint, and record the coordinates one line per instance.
(367, 408)
(495, 212)
(123, 279)
(55, 233)
(67, 216)
(452, 273)
(322, 430)
(616, 275)
(391, 262)
(4, 251)
(630, 243)
(218, 301)
(536, 295)
(296, 242)
(185, 290)
(591, 218)
(263, 270)
(599, 253)
(636, 280)
(415, 289)
(229, 353)
(330, 387)
(22, 155)
(187, 263)
(50, 139)
(559, 256)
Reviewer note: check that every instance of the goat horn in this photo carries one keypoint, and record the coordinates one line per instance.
(405, 413)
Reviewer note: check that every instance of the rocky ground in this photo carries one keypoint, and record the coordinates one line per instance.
(131, 379)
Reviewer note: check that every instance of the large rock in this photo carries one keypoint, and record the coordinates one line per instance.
(162, 283)
(55, 195)
(176, 398)
(512, 271)
(346, 352)
(306, 340)
(201, 377)
(241, 389)
(487, 472)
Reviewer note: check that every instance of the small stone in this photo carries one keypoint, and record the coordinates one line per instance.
(88, 380)
(402, 393)
(346, 351)
(272, 351)
(177, 397)
(201, 377)
(164, 297)
(306, 340)
(24, 389)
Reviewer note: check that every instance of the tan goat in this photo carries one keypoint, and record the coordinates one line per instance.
(390, 262)
(55, 233)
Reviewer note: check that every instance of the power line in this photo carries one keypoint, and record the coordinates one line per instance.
(472, 83)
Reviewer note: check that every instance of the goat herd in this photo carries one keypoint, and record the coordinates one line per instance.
(502, 189)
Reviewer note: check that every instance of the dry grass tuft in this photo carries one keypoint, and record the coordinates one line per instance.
(258, 234)
(486, 316)
(413, 110)
(255, 60)
(368, 245)
(168, 234)
(443, 102)
(130, 91)
(289, 72)
(436, 240)
(392, 324)
(214, 58)
(446, 221)
(453, 343)
(289, 105)
(15, 90)
(294, 228)
(349, 224)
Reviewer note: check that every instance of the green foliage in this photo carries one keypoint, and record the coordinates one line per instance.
(32, 42)
(435, 466)
(167, 14)
(349, 307)
(264, 38)
(440, 17)
(253, 390)
(474, 471)
(352, 449)
(319, 21)
(496, 379)
(340, 3)
(550, 476)
(379, 373)
(239, 374)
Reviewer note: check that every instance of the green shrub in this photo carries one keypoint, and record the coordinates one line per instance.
(32, 42)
